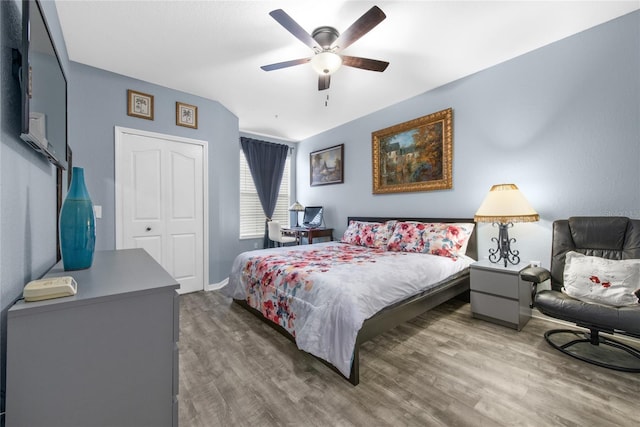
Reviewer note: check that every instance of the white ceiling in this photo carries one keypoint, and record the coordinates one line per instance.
(214, 49)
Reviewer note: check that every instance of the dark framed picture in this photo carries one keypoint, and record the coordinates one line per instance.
(186, 115)
(327, 166)
(139, 104)
(414, 155)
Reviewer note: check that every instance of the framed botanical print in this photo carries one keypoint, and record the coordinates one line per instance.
(186, 115)
(139, 104)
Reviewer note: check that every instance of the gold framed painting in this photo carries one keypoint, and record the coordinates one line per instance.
(139, 104)
(186, 115)
(414, 155)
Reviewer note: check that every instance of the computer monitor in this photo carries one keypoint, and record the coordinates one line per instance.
(312, 216)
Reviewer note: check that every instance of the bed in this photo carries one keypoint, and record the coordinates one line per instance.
(331, 297)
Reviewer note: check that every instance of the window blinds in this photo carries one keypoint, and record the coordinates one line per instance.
(251, 213)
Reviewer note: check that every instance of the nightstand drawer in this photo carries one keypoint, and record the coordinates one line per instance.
(495, 282)
(495, 307)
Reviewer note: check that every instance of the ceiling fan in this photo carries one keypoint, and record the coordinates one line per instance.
(326, 42)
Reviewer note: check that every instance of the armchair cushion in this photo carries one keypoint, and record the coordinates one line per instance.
(601, 280)
(562, 306)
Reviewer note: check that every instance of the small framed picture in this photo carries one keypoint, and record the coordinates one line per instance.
(139, 104)
(186, 115)
(326, 166)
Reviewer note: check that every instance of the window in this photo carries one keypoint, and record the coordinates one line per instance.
(251, 213)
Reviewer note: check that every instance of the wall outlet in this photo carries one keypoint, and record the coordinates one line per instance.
(534, 263)
(255, 245)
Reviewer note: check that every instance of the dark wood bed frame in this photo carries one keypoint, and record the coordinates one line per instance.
(402, 311)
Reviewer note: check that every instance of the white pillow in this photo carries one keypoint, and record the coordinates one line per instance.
(601, 280)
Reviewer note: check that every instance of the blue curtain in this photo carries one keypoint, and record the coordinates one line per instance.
(266, 162)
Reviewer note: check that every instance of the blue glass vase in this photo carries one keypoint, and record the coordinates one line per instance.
(77, 225)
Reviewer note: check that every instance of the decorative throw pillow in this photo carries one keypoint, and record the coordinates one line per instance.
(447, 239)
(369, 234)
(407, 237)
(601, 280)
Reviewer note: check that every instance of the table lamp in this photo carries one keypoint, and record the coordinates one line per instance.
(296, 207)
(503, 206)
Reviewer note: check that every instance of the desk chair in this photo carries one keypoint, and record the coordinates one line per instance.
(275, 234)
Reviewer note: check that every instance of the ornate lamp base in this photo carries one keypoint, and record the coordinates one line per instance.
(503, 250)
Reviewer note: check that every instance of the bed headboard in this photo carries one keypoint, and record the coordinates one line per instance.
(472, 248)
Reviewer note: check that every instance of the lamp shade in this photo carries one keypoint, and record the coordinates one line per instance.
(326, 62)
(504, 204)
(296, 207)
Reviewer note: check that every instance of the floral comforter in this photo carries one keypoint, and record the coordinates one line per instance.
(322, 293)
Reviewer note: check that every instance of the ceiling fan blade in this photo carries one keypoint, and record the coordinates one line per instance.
(294, 28)
(323, 81)
(364, 63)
(362, 26)
(285, 64)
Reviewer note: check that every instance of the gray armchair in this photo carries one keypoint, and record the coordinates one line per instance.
(614, 238)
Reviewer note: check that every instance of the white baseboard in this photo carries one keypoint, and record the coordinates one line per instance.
(214, 286)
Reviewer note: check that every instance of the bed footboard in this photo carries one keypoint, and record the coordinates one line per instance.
(396, 314)
(399, 313)
(286, 334)
(385, 320)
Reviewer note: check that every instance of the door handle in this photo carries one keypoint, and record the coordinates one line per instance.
(148, 229)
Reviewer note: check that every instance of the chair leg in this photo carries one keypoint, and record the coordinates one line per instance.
(594, 338)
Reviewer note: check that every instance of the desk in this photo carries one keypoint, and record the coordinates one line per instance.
(309, 233)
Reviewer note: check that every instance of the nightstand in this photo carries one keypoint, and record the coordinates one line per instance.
(498, 295)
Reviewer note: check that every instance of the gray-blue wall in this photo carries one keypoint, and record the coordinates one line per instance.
(98, 102)
(561, 122)
(27, 180)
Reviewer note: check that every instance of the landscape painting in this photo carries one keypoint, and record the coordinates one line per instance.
(414, 155)
(327, 165)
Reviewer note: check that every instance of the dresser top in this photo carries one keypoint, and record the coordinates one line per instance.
(113, 274)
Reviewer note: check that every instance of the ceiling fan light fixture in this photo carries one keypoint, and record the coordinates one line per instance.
(326, 63)
(326, 42)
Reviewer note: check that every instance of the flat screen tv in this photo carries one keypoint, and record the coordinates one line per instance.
(43, 86)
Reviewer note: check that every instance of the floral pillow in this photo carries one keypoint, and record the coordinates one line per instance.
(407, 237)
(601, 280)
(368, 234)
(447, 239)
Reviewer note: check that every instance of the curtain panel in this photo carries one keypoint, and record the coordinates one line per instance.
(266, 162)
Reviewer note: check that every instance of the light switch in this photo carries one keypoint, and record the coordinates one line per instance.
(97, 209)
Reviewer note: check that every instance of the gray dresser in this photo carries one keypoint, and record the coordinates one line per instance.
(107, 356)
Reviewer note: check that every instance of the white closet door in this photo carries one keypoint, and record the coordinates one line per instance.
(161, 181)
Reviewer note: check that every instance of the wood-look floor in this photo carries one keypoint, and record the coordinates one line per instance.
(443, 368)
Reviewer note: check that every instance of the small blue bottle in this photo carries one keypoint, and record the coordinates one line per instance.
(77, 225)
